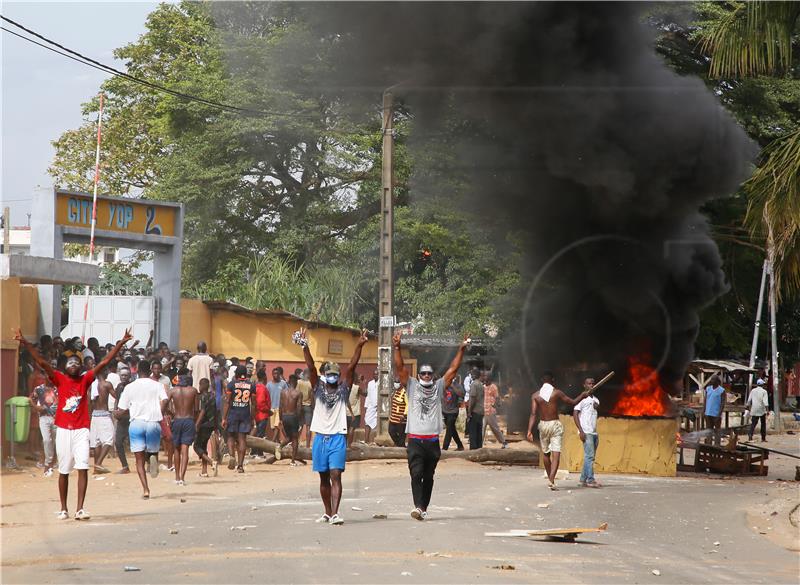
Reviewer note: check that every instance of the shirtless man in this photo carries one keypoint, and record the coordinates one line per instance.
(544, 405)
(101, 432)
(184, 398)
(291, 411)
(205, 425)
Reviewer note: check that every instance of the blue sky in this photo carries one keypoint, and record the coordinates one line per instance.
(42, 92)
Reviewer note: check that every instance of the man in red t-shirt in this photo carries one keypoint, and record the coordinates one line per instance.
(72, 419)
(263, 407)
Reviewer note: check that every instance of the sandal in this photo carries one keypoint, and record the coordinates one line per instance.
(240, 469)
(203, 474)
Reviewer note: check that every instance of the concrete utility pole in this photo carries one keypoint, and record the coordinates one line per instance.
(386, 300)
(7, 230)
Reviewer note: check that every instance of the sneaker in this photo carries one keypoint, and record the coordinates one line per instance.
(505, 446)
(154, 466)
(278, 455)
(82, 515)
(63, 515)
(337, 520)
(40, 465)
(424, 514)
(324, 519)
(416, 514)
(48, 472)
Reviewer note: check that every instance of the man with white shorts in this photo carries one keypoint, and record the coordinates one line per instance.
(72, 419)
(101, 431)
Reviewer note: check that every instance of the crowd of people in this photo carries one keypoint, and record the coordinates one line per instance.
(92, 400)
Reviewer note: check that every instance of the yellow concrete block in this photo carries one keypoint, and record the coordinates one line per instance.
(627, 445)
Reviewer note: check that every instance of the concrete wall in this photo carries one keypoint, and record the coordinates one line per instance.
(268, 337)
(9, 349)
(29, 310)
(627, 445)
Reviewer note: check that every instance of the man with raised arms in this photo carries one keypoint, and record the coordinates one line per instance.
(424, 423)
(329, 422)
(72, 419)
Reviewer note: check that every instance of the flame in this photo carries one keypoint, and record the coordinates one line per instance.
(642, 394)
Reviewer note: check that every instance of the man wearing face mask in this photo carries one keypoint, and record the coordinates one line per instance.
(424, 423)
(72, 419)
(329, 422)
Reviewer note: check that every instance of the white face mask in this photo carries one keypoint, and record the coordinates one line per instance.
(397, 385)
(426, 383)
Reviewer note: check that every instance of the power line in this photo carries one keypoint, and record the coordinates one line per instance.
(76, 56)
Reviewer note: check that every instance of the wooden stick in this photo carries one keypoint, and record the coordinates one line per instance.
(605, 379)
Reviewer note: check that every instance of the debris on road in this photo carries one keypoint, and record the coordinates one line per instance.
(656, 572)
(380, 516)
(504, 567)
(129, 569)
(243, 527)
(542, 505)
(357, 509)
(173, 531)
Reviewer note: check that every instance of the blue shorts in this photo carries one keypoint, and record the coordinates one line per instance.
(182, 431)
(239, 422)
(144, 436)
(328, 452)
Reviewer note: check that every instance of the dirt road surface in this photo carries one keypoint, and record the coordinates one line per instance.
(259, 528)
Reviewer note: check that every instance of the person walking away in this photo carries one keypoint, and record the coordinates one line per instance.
(490, 397)
(263, 409)
(304, 386)
(544, 406)
(424, 422)
(200, 365)
(715, 403)
(184, 399)
(122, 427)
(238, 413)
(585, 416)
(144, 400)
(758, 403)
(101, 430)
(44, 400)
(329, 451)
(451, 401)
(475, 411)
(276, 386)
(291, 411)
(398, 417)
(72, 419)
(157, 374)
(205, 425)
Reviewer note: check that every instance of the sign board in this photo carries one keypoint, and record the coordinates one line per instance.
(387, 321)
(335, 346)
(135, 216)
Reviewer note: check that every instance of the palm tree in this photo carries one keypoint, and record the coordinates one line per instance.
(755, 38)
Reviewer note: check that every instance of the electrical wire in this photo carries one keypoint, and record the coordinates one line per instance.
(76, 56)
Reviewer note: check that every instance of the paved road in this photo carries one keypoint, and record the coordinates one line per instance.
(666, 524)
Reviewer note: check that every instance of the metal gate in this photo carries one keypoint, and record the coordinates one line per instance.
(110, 315)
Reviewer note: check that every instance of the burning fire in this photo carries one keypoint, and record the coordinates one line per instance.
(642, 394)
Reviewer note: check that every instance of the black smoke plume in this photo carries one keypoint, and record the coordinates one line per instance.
(584, 142)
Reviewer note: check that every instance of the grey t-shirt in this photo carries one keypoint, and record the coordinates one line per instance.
(476, 395)
(275, 389)
(424, 408)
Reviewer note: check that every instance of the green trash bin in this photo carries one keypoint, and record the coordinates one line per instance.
(19, 425)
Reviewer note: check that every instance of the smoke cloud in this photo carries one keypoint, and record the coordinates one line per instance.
(585, 145)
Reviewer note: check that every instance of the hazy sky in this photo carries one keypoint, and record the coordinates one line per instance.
(43, 92)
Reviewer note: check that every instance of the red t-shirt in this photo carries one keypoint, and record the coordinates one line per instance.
(263, 402)
(73, 400)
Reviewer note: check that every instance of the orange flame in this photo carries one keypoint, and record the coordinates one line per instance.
(642, 394)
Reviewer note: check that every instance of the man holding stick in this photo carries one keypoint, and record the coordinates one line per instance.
(544, 404)
(585, 416)
(424, 422)
(72, 419)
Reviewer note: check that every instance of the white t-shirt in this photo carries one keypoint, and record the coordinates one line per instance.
(371, 401)
(467, 384)
(142, 398)
(759, 401)
(200, 367)
(330, 410)
(588, 414)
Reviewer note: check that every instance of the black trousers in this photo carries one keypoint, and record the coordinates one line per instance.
(476, 431)
(422, 459)
(397, 431)
(120, 436)
(753, 421)
(451, 432)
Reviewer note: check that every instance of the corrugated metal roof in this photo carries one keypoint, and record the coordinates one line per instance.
(236, 308)
(727, 365)
(439, 341)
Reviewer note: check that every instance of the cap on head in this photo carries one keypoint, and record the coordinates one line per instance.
(426, 369)
(760, 382)
(331, 368)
